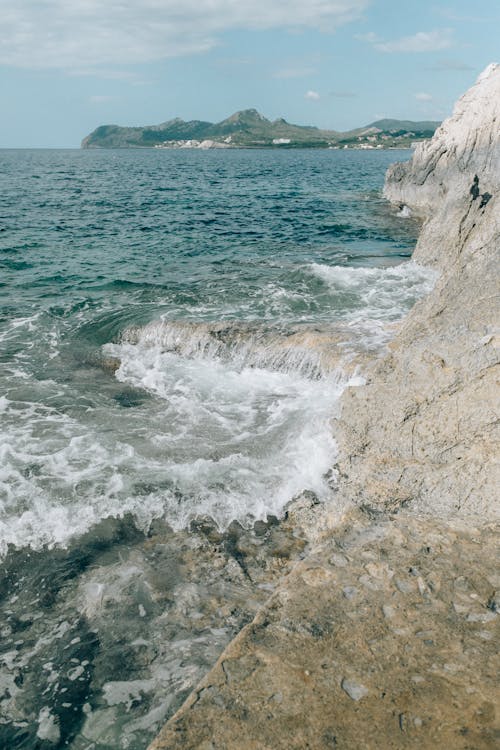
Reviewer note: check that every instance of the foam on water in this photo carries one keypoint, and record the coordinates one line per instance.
(382, 293)
(233, 423)
(376, 297)
(230, 341)
(213, 439)
(260, 435)
(312, 353)
(56, 477)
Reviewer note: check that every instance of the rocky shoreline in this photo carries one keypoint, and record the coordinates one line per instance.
(381, 638)
(384, 634)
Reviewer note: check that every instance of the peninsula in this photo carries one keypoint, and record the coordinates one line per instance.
(250, 129)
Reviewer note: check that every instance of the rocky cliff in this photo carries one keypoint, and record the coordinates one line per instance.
(383, 636)
(424, 430)
(458, 170)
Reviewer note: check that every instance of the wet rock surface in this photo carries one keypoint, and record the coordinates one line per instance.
(381, 638)
(101, 647)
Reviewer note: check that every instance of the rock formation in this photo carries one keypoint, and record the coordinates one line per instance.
(382, 637)
(423, 430)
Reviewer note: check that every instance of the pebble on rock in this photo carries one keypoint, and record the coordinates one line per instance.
(354, 690)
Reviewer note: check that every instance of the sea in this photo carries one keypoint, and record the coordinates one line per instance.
(176, 330)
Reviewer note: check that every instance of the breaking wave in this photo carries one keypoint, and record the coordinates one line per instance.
(311, 353)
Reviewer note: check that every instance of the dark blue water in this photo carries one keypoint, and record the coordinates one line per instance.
(182, 228)
(176, 329)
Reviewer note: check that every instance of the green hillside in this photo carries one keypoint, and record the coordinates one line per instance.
(250, 129)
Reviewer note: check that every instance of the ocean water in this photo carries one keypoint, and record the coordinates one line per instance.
(176, 329)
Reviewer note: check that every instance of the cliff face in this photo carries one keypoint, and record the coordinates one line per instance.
(461, 145)
(424, 431)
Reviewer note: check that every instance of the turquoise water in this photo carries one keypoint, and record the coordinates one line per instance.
(176, 328)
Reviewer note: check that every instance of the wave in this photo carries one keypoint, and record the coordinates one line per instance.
(313, 353)
(210, 441)
(383, 294)
(236, 422)
(364, 305)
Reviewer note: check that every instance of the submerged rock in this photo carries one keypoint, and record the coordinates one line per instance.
(130, 624)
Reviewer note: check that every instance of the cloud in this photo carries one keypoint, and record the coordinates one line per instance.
(126, 76)
(101, 99)
(72, 34)
(422, 41)
(299, 67)
(313, 96)
(452, 15)
(343, 94)
(422, 96)
(294, 72)
(233, 62)
(369, 37)
(443, 65)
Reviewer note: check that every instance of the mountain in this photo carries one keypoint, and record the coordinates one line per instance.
(249, 129)
(394, 125)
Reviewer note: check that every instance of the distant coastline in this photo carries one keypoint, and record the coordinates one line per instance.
(250, 129)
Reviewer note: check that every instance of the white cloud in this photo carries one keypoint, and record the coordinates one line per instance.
(452, 15)
(343, 94)
(312, 96)
(422, 96)
(294, 72)
(81, 33)
(422, 41)
(100, 99)
(370, 37)
(449, 64)
(109, 75)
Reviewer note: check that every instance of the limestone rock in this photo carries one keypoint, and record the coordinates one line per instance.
(424, 431)
(444, 168)
(316, 670)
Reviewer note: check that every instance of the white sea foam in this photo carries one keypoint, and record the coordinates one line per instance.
(56, 477)
(235, 419)
(388, 291)
(312, 353)
(256, 437)
(376, 297)
(212, 439)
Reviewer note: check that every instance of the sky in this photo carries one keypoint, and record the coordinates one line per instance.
(67, 66)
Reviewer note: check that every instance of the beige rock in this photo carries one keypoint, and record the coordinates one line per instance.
(424, 431)
(395, 668)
